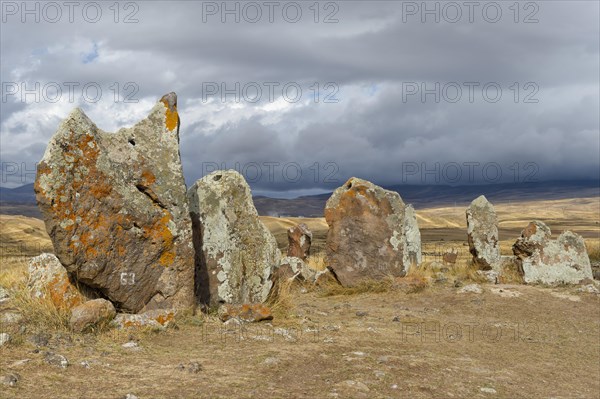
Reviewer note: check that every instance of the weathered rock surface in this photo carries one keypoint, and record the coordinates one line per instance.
(91, 314)
(291, 267)
(247, 313)
(49, 279)
(156, 318)
(10, 379)
(56, 359)
(4, 338)
(235, 252)
(372, 233)
(325, 277)
(543, 260)
(482, 234)
(299, 240)
(471, 288)
(411, 238)
(116, 210)
(4, 295)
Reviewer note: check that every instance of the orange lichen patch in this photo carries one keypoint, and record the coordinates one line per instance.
(147, 177)
(42, 169)
(132, 323)
(164, 319)
(159, 233)
(63, 294)
(172, 117)
(247, 312)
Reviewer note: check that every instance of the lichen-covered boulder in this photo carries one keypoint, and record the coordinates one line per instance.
(543, 260)
(91, 314)
(156, 318)
(482, 234)
(372, 233)
(115, 207)
(299, 240)
(235, 252)
(49, 279)
(247, 312)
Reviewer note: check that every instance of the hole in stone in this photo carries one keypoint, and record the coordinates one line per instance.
(132, 142)
(349, 185)
(217, 177)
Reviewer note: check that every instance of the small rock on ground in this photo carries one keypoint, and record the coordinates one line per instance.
(471, 288)
(11, 379)
(56, 360)
(4, 338)
(488, 390)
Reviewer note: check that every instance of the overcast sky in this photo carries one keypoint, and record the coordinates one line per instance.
(458, 93)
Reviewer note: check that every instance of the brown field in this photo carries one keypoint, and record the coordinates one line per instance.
(412, 338)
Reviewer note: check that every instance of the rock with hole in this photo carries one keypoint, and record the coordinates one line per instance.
(115, 207)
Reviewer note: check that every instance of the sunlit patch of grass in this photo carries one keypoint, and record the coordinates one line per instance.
(593, 249)
(281, 300)
(317, 261)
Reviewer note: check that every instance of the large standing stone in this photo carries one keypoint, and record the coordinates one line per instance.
(372, 233)
(235, 252)
(543, 260)
(482, 234)
(116, 210)
(299, 240)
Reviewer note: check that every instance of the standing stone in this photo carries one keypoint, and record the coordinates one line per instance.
(482, 234)
(299, 240)
(543, 260)
(235, 252)
(116, 210)
(49, 279)
(372, 233)
(411, 239)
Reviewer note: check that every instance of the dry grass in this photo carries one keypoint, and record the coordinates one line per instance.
(317, 261)
(332, 288)
(281, 300)
(593, 249)
(40, 313)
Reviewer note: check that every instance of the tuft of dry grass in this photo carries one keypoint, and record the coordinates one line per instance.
(317, 261)
(40, 313)
(593, 249)
(281, 300)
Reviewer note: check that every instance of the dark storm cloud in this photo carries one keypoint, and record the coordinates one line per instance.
(373, 55)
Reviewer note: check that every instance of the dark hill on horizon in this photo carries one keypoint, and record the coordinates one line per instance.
(21, 200)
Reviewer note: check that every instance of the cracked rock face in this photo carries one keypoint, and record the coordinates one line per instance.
(543, 260)
(299, 240)
(115, 207)
(372, 233)
(482, 234)
(235, 252)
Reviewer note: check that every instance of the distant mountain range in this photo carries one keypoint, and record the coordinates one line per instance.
(21, 200)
